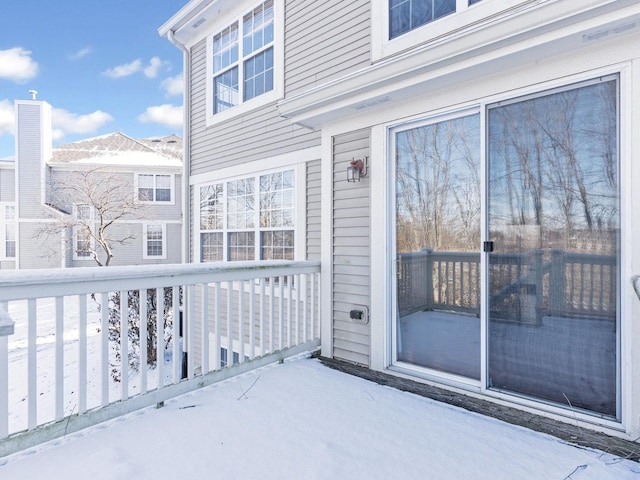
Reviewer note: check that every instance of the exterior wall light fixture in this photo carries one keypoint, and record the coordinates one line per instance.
(357, 169)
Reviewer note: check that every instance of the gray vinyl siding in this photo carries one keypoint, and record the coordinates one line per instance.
(314, 204)
(36, 252)
(258, 134)
(7, 185)
(324, 41)
(351, 250)
(29, 160)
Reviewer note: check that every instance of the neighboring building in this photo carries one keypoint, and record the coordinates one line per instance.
(489, 246)
(45, 188)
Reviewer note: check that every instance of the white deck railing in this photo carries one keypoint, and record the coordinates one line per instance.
(63, 338)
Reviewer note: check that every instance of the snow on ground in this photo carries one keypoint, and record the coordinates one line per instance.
(301, 419)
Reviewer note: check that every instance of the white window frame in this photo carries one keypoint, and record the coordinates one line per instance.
(438, 31)
(275, 94)
(75, 233)
(4, 222)
(172, 188)
(299, 210)
(145, 242)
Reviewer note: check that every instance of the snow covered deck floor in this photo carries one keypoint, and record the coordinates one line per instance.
(302, 419)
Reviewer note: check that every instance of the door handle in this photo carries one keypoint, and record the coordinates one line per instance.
(487, 247)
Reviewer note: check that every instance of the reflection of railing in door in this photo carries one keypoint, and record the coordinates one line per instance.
(525, 286)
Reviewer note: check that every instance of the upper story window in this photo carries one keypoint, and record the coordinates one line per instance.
(244, 63)
(399, 25)
(7, 230)
(248, 218)
(243, 58)
(405, 15)
(154, 188)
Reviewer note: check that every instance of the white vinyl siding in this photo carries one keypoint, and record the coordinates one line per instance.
(351, 250)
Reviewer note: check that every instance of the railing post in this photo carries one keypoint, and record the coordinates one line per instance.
(557, 282)
(428, 277)
(6, 329)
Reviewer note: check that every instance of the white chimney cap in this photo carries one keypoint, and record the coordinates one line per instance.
(33, 94)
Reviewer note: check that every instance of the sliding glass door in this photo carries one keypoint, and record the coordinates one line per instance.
(553, 250)
(437, 240)
(546, 324)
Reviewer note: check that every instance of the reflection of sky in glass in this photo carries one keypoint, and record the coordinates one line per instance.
(438, 186)
(553, 161)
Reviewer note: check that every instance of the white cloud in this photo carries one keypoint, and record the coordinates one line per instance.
(83, 52)
(167, 115)
(7, 117)
(173, 85)
(17, 65)
(124, 70)
(66, 122)
(154, 66)
(127, 69)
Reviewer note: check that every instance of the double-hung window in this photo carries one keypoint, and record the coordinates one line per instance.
(248, 218)
(398, 25)
(243, 60)
(154, 241)
(152, 188)
(82, 237)
(8, 230)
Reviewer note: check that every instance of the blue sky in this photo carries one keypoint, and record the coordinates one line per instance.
(100, 64)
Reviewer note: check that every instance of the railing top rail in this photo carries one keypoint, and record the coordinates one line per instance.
(38, 283)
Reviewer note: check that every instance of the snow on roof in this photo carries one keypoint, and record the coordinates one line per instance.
(119, 149)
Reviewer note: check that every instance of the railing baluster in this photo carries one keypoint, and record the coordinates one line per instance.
(104, 348)
(160, 336)
(281, 312)
(124, 344)
(188, 320)
(144, 333)
(32, 364)
(297, 316)
(252, 319)
(4, 372)
(262, 314)
(313, 305)
(204, 319)
(218, 325)
(82, 354)
(289, 309)
(272, 289)
(305, 314)
(59, 362)
(175, 337)
(241, 321)
(229, 323)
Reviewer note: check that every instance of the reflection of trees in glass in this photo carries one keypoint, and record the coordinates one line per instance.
(553, 165)
(438, 186)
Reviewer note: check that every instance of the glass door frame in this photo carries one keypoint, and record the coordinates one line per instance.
(388, 357)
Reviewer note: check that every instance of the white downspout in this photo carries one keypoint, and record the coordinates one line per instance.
(186, 199)
(186, 147)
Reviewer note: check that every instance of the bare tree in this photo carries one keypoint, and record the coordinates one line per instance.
(89, 206)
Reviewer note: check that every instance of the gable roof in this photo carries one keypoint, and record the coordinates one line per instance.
(120, 149)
